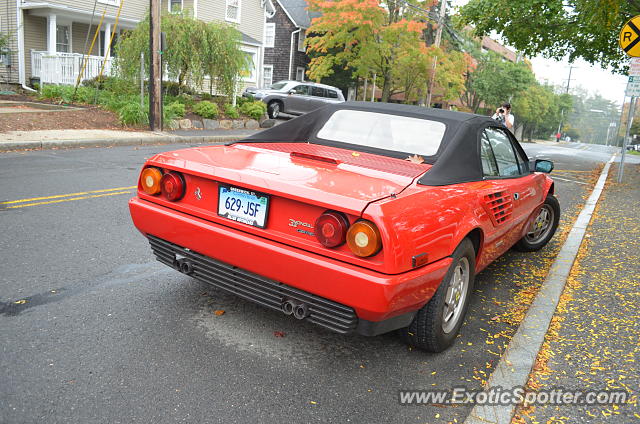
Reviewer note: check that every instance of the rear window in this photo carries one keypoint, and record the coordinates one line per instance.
(383, 131)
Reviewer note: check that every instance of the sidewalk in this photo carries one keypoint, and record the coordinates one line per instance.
(50, 139)
(593, 341)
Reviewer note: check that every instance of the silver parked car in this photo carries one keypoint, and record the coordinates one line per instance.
(295, 97)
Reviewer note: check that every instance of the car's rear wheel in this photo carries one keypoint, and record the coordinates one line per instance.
(274, 109)
(542, 228)
(436, 325)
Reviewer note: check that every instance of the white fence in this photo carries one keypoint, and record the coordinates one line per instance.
(63, 68)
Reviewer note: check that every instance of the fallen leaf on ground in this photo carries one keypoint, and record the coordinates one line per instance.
(219, 312)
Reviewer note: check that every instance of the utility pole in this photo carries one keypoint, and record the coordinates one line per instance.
(567, 92)
(432, 77)
(155, 76)
(632, 111)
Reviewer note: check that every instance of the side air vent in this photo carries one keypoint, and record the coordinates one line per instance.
(499, 205)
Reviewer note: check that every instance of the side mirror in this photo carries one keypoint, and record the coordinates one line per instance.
(292, 91)
(543, 165)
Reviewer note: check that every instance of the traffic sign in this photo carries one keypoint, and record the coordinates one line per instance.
(634, 67)
(633, 87)
(629, 38)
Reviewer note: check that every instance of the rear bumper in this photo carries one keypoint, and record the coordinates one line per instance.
(380, 302)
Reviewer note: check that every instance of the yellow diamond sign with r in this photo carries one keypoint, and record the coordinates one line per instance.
(630, 37)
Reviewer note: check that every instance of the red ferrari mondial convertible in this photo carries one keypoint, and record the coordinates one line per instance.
(325, 219)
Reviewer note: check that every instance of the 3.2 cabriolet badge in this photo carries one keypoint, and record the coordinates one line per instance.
(295, 224)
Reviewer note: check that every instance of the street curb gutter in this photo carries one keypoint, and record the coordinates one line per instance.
(517, 361)
(132, 141)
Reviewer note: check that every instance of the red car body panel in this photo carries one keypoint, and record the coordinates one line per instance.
(303, 181)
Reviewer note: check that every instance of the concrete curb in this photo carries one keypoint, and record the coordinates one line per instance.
(132, 141)
(517, 361)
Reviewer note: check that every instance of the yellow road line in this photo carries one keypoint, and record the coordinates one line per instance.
(68, 200)
(66, 195)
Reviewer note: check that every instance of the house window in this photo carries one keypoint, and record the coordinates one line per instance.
(269, 35)
(175, 6)
(250, 74)
(301, 37)
(232, 13)
(267, 75)
(299, 73)
(62, 38)
(102, 40)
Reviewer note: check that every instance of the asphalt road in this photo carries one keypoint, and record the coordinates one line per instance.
(93, 329)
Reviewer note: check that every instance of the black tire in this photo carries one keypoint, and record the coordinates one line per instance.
(274, 109)
(427, 330)
(531, 243)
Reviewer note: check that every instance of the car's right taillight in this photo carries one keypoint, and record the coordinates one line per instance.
(363, 238)
(150, 180)
(331, 229)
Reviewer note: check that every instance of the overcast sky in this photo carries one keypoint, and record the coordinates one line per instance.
(592, 78)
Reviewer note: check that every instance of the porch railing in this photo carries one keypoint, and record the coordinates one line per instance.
(63, 68)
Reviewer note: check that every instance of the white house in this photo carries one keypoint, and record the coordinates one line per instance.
(48, 37)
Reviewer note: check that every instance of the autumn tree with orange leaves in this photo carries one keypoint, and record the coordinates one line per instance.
(381, 38)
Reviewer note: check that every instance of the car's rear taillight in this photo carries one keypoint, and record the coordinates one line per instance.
(331, 229)
(363, 238)
(150, 180)
(172, 186)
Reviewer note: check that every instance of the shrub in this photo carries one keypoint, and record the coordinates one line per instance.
(114, 84)
(175, 89)
(231, 111)
(255, 109)
(186, 99)
(51, 92)
(65, 94)
(86, 95)
(206, 109)
(174, 110)
(241, 100)
(131, 113)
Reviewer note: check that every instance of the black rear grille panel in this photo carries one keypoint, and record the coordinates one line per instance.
(324, 312)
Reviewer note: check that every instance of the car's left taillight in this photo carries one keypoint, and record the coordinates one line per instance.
(150, 180)
(155, 181)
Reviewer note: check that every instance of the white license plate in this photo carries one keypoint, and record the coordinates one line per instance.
(242, 205)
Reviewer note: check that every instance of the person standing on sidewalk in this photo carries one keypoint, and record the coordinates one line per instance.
(558, 137)
(503, 115)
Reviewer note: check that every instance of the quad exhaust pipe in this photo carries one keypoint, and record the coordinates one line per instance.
(298, 310)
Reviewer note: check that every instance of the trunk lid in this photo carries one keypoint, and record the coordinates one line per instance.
(324, 176)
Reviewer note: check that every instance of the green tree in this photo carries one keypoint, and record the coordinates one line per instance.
(555, 28)
(494, 81)
(538, 109)
(195, 49)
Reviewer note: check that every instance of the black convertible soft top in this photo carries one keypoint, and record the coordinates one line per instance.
(457, 159)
